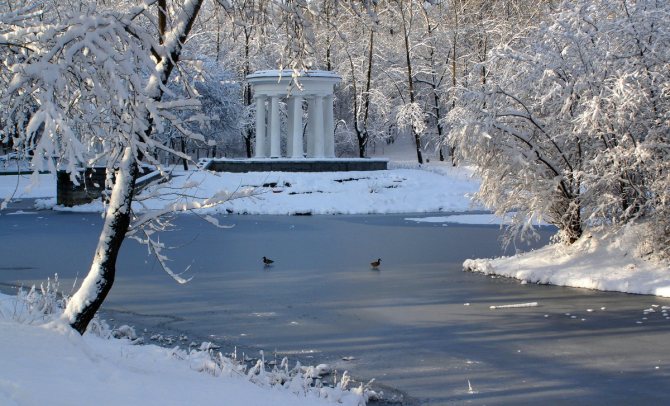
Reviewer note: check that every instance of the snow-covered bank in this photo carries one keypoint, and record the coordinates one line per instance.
(431, 188)
(393, 191)
(596, 261)
(27, 185)
(47, 362)
(461, 219)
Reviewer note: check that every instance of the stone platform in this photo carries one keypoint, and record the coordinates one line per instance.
(297, 165)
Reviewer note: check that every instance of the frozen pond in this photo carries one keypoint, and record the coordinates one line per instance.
(418, 324)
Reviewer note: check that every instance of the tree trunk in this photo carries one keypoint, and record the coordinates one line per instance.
(362, 142)
(410, 79)
(438, 113)
(83, 305)
(162, 20)
(569, 219)
(366, 104)
(183, 151)
(574, 224)
(452, 149)
(247, 143)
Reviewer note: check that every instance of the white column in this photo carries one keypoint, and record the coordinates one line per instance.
(317, 127)
(289, 126)
(275, 146)
(329, 127)
(311, 117)
(260, 126)
(295, 124)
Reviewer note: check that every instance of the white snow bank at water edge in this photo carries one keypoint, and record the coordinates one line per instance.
(480, 219)
(282, 193)
(596, 261)
(462, 219)
(27, 186)
(408, 189)
(47, 362)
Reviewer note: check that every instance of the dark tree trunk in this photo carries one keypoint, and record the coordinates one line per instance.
(162, 20)
(183, 151)
(569, 219)
(361, 126)
(362, 142)
(452, 149)
(410, 78)
(574, 226)
(438, 113)
(247, 143)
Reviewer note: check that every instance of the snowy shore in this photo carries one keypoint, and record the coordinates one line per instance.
(289, 193)
(596, 261)
(47, 362)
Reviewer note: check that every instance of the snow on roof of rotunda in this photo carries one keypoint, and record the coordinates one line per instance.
(288, 73)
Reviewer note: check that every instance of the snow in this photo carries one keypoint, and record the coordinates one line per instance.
(467, 219)
(438, 188)
(514, 305)
(288, 73)
(47, 362)
(461, 219)
(596, 261)
(23, 186)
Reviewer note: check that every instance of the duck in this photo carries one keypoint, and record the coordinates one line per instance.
(267, 261)
(375, 264)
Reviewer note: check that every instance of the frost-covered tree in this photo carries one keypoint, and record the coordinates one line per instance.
(89, 91)
(571, 123)
(247, 45)
(410, 114)
(354, 59)
(432, 73)
(218, 93)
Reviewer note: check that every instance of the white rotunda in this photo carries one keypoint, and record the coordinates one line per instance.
(294, 87)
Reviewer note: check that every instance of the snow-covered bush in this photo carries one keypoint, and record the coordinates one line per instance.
(46, 304)
(300, 380)
(41, 304)
(222, 111)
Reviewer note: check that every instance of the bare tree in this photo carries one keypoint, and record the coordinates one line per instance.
(410, 112)
(360, 55)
